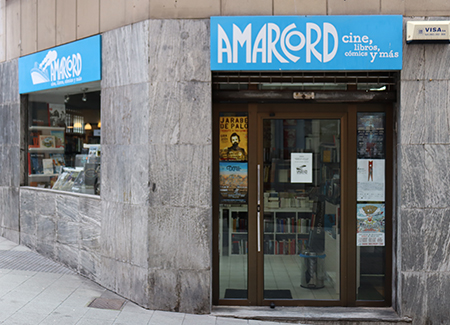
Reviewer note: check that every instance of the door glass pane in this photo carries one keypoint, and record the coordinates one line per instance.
(302, 173)
(371, 207)
(233, 203)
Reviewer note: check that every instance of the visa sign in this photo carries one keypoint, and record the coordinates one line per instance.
(306, 43)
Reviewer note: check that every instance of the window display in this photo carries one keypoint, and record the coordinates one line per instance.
(64, 141)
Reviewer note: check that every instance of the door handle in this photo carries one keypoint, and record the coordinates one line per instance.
(259, 209)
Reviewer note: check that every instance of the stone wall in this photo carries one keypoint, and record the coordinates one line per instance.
(156, 164)
(9, 150)
(424, 184)
(64, 227)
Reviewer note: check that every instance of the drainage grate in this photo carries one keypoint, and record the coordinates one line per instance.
(104, 303)
(30, 261)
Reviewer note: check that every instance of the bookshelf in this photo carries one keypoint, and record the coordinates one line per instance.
(286, 230)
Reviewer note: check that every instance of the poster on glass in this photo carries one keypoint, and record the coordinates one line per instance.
(370, 225)
(371, 135)
(370, 180)
(233, 138)
(233, 182)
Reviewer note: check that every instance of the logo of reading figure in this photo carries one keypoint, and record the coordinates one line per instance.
(67, 67)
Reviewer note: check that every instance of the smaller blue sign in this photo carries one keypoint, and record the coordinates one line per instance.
(66, 65)
(261, 43)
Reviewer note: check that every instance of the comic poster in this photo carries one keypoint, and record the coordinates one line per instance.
(371, 225)
(370, 180)
(233, 138)
(371, 135)
(233, 182)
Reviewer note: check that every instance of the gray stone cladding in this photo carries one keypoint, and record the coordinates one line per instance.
(9, 150)
(423, 211)
(156, 164)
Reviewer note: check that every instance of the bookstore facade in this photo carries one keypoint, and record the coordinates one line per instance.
(236, 160)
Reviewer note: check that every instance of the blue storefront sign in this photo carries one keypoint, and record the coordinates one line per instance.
(66, 65)
(306, 43)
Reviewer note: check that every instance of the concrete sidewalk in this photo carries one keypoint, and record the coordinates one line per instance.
(36, 290)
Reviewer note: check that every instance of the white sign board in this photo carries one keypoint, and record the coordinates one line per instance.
(370, 178)
(301, 167)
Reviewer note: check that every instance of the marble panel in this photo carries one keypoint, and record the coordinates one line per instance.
(437, 113)
(45, 203)
(413, 55)
(125, 55)
(10, 208)
(138, 96)
(412, 128)
(27, 201)
(392, 7)
(436, 58)
(90, 24)
(413, 299)
(12, 235)
(180, 184)
(165, 112)
(89, 265)
(438, 291)
(195, 291)
(174, 9)
(139, 285)
(68, 233)
(108, 180)
(139, 174)
(28, 223)
(195, 122)
(67, 255)
(46, 248)
(163, 234)
(164, 290)
(45, 229)
(123, 234)
(412, 236)
(108, 272)
(67, 207)
(90, 211)
(123, 279)
(12, 30)
(116, 180)
(66, 21)
(246, 7)
(194, 237)
(9, 87)
(112, 14)
(27, 240)
(108, 115)
(90, 234)
(412, 176)
(108, 228)
(46, 24)
(179, 50)
(437, 180)
(139, 235)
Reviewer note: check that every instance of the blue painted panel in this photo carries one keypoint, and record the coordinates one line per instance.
(306, 43)
(66, 65)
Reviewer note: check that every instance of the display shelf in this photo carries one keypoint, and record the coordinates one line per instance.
(41, 175)
(46, 150)
(49, 128)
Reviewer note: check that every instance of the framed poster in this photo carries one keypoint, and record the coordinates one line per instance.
(301, 167)
(370, 180)
(370, 225)
(233, 138)
(233, 182)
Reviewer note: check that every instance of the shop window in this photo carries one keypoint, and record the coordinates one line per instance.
(64, 141)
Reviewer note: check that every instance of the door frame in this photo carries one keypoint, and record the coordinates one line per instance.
(347, 113)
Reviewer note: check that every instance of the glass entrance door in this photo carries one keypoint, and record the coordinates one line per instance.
(301, 203)
(301, 207)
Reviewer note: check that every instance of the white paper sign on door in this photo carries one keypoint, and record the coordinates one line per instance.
(301, 167)
(370, 180)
